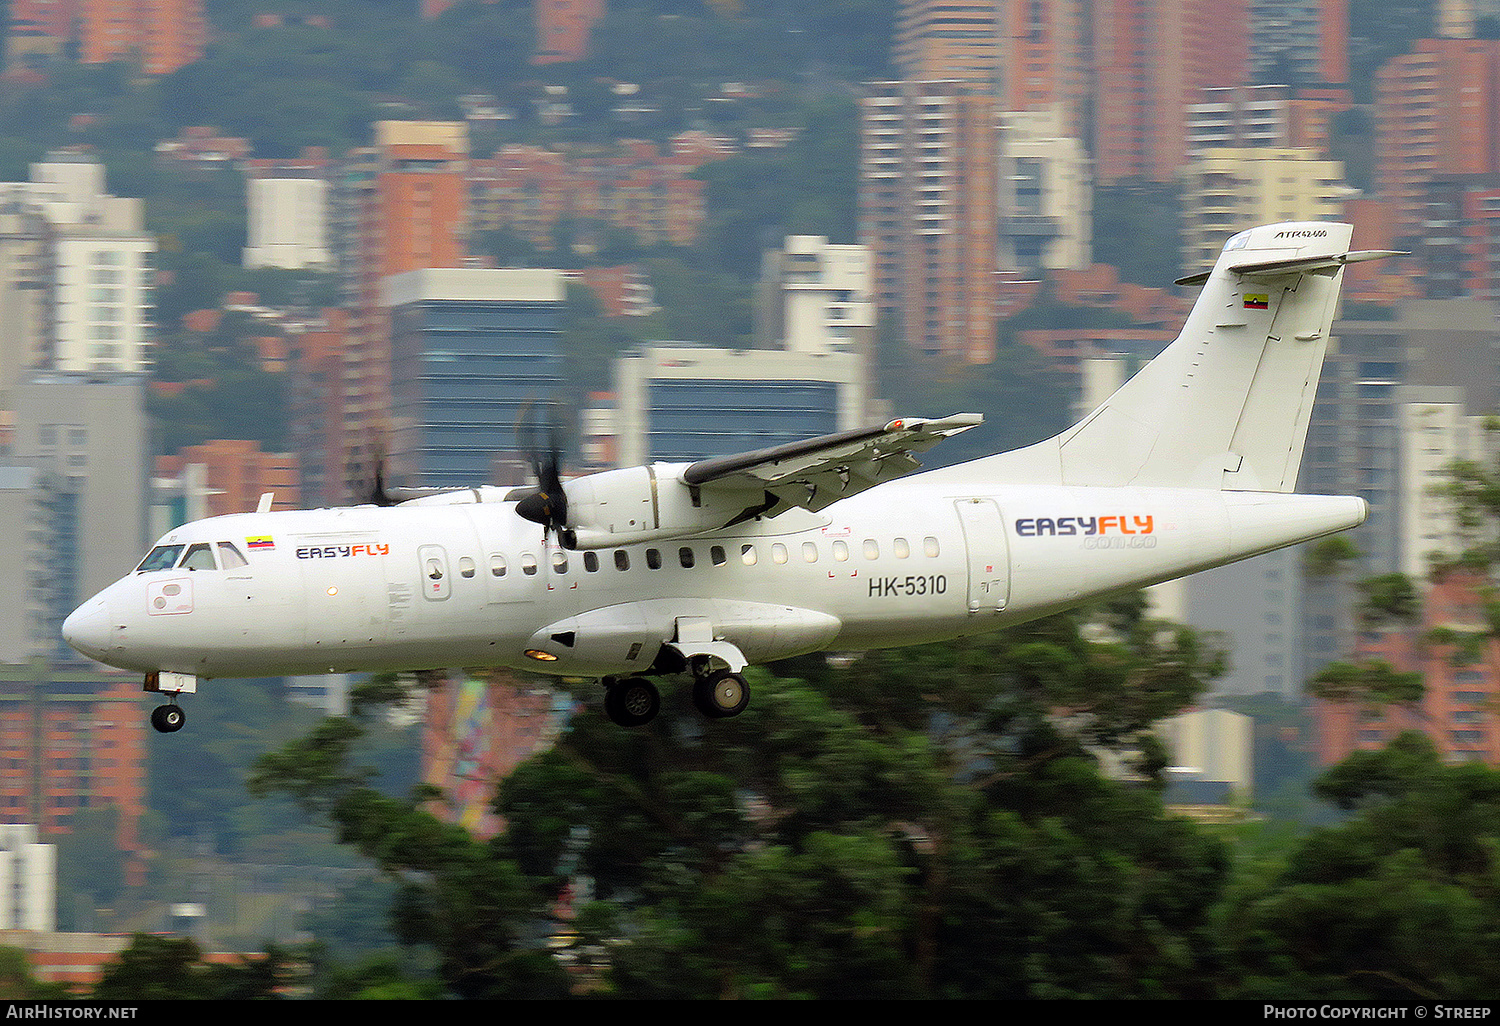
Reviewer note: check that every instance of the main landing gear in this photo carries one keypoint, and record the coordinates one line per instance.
(168, 719)
(634, 701)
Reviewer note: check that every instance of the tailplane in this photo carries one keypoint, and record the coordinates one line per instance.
(1227, 405)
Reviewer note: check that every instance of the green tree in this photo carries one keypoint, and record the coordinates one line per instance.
(161, 968)
(924, 822)
(1371, 683)
(18, 981)
(1397, 903)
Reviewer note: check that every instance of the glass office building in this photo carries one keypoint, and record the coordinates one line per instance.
(679, 401)
(474, 354)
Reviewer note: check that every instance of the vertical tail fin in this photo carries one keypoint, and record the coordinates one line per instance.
(1227, 405)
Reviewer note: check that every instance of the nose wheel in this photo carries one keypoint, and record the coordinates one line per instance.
(168, 719)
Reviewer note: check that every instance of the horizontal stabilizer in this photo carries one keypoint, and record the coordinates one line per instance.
(1296, 265)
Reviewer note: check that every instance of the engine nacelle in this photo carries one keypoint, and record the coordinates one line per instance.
(641, 504)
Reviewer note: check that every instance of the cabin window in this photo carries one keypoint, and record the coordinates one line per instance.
(685, 557)
(434, 569)
(559, 562)
(466, 568)
(901, 549)
(497, 565)
(230, 557)
(716, 553)
(653, 558)
(872, 549)
(622, 559)
(528, 564)
(591, 561)
(810, 552)
(840, 551)
(199, 557)
(163, 557)
(930, 546)
(747, 555)
(778, 552)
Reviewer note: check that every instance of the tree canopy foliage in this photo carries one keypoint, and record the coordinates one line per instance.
(903, 826)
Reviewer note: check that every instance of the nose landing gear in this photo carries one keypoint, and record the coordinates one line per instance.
(168, 719)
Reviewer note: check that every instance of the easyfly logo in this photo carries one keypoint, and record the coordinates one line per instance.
(1304, 234)
(1036, 527)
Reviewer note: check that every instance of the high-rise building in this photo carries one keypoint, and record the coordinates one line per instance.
(28, 578)
(927, 210)
(1223, 190)
(1139, 94)
(75, 741)
(77, 295)
(90, 435)
(816, 297)
(1437, 113)
(1436, 430)
(1299, 42)
(1459, 246)
(1045, 193)
(398, 206)
(28, 880)
(1459, 19)
(678, 401)
(1275, 116)
(957, 39)
(1048, 62)
(474, 357)
(287, 213)
(235, 474)
(161, 36)
(1459, 692)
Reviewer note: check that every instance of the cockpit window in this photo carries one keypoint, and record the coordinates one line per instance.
(199, 557)
(163, 557)
(230, 557)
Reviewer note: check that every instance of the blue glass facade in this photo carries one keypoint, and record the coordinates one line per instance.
(463, 372)
(693, 419)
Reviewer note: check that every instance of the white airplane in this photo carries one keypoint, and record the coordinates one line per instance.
(703, 568)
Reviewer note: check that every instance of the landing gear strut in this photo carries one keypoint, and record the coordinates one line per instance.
(632, 702)
(168, 719)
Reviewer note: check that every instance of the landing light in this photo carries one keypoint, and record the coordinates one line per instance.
(540, 656)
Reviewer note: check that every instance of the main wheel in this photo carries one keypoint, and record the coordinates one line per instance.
(721, 694)
(168, 719)
(632, 702)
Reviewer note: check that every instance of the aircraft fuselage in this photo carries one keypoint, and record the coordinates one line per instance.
(421, 587)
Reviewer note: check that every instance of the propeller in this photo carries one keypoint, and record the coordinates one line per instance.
(548, 505)
(378, 495)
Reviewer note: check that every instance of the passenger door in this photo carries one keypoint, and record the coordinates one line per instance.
(988, 555)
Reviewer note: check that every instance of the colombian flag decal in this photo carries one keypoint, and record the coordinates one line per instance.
(263, 543)
(1257, 301)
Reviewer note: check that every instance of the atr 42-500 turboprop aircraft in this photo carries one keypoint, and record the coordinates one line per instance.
(701, 568)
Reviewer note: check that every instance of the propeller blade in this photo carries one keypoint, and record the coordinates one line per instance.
(548, 505)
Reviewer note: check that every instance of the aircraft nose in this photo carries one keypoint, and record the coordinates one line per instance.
(87, 628)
